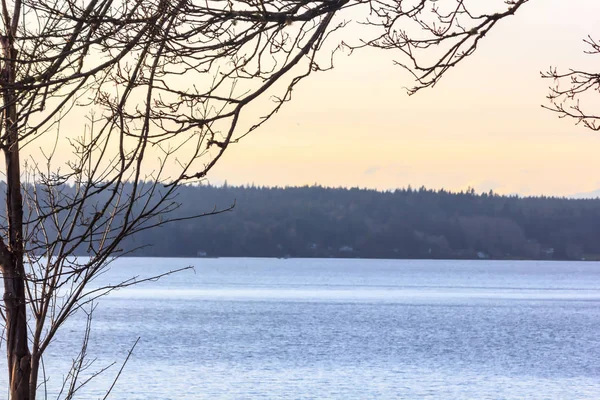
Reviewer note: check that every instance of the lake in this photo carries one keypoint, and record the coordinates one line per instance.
(343, 329)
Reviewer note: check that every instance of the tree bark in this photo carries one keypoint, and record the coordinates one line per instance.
(11, 257)
(17, 350)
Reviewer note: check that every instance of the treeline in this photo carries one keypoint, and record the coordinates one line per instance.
(325, 222)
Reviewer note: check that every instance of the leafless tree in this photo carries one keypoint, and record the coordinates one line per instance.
(575, 92)
(434, 36)
(108, 106)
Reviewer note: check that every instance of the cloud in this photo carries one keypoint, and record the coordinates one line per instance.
(372, 170)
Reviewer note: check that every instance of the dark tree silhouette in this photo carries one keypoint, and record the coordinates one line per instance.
(318, 222)
(164, 86)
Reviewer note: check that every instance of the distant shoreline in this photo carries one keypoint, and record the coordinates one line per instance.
(359, 258)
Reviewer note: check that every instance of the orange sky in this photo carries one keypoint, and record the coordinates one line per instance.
(482, 126)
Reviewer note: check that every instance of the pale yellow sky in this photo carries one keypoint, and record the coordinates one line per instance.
(482, 126)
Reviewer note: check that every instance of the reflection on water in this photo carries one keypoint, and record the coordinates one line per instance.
(255, 328)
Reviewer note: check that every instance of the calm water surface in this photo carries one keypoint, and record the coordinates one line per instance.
(344, 329)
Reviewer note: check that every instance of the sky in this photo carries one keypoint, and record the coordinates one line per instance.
(482, 126)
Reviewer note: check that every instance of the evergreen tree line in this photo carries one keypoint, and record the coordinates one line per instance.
(314, 221)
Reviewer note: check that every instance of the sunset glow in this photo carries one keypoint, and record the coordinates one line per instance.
(481, 126)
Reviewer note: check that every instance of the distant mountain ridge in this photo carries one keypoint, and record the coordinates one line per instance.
(586, 195)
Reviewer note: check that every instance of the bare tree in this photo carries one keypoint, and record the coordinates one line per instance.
(108, 106)
(434, 36)
(574, 93)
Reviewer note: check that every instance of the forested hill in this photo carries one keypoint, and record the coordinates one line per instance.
(325, 222)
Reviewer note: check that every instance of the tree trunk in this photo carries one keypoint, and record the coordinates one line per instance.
(11, 257)
(17, 350)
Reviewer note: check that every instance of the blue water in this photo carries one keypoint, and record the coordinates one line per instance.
(343, 329)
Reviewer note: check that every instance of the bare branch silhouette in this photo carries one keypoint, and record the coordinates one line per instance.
(574, 92)
(110, 106)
